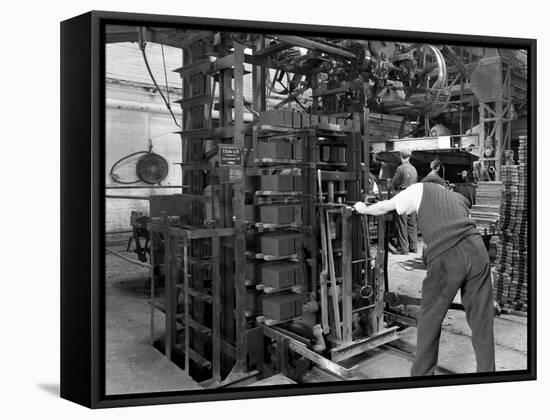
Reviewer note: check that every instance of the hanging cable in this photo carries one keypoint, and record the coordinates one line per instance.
(116, 178)
(164, 133)
(165, 75)
(271, 82)
(142, 45)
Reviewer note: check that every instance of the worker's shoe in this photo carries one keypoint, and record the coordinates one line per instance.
(414, 251)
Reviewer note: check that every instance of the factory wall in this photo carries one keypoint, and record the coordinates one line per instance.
(132, 117)
(135, 113)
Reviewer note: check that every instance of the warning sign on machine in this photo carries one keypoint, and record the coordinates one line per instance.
(230, 155)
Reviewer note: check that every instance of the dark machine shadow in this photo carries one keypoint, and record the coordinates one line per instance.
(52, 389)
(412, 264)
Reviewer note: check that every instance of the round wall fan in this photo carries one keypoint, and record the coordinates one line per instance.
(152, 168)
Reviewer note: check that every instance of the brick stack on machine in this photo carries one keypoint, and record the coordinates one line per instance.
(278, 163)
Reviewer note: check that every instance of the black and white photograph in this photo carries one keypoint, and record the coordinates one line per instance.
(285, 209)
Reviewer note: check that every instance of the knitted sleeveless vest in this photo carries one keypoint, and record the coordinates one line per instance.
(443, 219)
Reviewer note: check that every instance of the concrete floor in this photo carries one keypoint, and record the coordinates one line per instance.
(134, 366)
(455, 351)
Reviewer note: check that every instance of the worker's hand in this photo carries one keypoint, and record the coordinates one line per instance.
(360, 207)
(496, 308)
(370, 199)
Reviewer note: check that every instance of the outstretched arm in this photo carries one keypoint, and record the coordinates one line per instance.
(406, 202)
(382, 207)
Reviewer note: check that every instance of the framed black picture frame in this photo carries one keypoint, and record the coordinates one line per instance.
(83, 169)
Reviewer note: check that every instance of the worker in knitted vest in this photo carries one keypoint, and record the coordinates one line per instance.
(405, 224)
(456, 260)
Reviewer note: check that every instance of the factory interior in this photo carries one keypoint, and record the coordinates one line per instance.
(234, 257)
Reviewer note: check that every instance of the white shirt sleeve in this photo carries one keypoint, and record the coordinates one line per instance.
(408, 200)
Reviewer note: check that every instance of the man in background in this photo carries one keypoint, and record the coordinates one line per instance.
(405, 176)
(433, 176)
(466, 188)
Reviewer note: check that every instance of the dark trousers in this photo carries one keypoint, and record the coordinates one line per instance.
(407, 238)
(463, 267)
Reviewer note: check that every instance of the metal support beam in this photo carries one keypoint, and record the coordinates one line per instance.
(347, 351)
(322, 362)
(239, 209)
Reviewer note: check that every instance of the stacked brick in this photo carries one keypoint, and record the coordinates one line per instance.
(486, 210)
(281, 204)
(280, 276)
(521, 228)
(275, 264)
(510, 284)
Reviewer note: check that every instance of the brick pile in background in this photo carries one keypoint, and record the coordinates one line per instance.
(510, 283)
(486, 210)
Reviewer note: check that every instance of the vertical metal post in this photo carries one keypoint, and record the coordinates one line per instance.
(258, 77)
(461, 105)
(427, 126)
(240, 247)
(347, 276)
(508, 112)
(366, 150)
(152, 294)
(380, 275)
(186, 125)
(482, 137)
(333, 285)
(168, 284)
(330, 191)
(216, 309)
(258, 95)
(310, 214)
(226, 213)
(324, 273)
(186, 300)
(282, 354)
(499, 119)
(381, 280)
